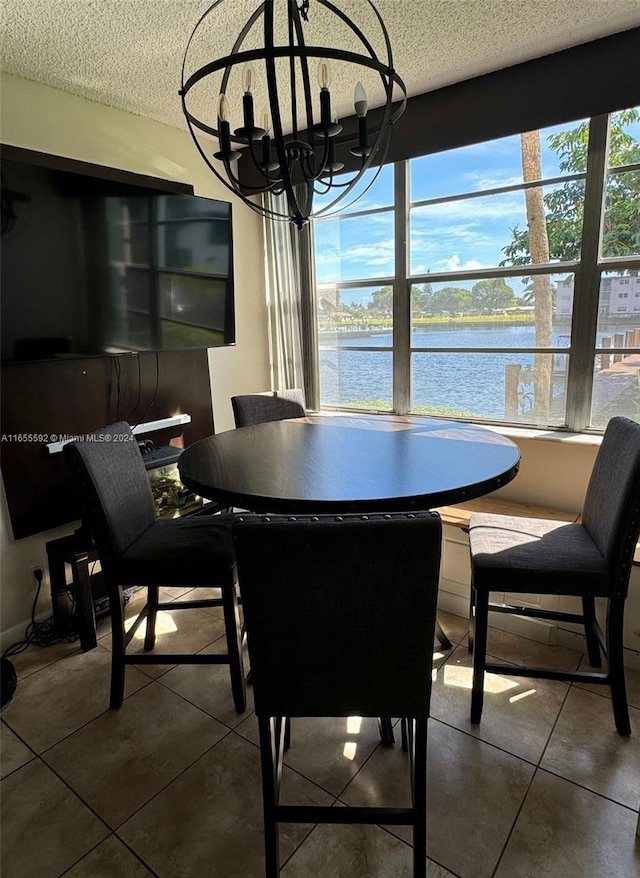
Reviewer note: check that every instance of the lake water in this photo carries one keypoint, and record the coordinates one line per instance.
(457, 382)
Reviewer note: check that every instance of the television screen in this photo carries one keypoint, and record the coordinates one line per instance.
(93, 266)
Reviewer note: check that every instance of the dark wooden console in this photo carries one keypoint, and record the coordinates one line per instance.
(44, 401)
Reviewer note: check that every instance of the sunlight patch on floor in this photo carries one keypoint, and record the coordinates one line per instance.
(165, 624)
(462, 678)
(349, 750)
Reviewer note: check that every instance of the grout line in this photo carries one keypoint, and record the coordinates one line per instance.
(515, 820)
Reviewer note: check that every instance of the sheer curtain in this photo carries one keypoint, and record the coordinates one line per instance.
(291, 303)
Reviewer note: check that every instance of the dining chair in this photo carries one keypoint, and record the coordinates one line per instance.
(317, 592)
(137, 549)
(275, 405)
(590, 559)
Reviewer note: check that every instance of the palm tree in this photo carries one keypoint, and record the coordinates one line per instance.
(542, 289)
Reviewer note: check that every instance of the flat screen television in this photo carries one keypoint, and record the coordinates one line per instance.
(100, 261)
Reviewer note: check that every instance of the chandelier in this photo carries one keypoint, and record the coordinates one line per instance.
(263, 116)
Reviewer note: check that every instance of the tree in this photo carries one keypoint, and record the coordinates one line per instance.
(381, 302)
(492, 295)
(554, 223)
(421, 298)
(564, 206)
(542, 291)
(450, 300)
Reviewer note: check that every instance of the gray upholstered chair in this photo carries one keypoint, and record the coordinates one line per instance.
(317, 592)
(136, 548)
(276, 405)
(588, 560)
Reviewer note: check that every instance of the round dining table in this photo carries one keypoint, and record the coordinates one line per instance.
(344, 463)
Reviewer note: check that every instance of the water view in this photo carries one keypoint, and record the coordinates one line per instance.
(449, 383)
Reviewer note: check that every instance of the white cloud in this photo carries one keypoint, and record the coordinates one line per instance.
(504, 207)
(453, 264)
(494, 181)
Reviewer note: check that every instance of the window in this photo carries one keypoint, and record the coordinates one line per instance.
(504, 307)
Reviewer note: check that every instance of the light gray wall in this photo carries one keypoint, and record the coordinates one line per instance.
(45, 119)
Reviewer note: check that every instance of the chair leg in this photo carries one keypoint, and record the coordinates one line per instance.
(419, 786)
(386, 730)
(472, 610)
(615, 624)
(443, 640)
(152, 602)
(116, 605)
(287, 733)
(403, 734)
(593, 645)
(234, 646)
(269, 761)
(481, 621)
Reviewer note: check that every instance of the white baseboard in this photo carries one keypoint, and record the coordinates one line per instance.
(533, 629)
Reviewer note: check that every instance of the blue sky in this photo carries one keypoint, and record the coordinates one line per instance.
(446, 237)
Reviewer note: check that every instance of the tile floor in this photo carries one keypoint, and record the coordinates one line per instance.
(170, 784)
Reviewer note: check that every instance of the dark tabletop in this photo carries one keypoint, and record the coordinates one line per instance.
(349, 464)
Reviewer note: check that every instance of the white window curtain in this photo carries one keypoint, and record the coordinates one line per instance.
(291, 303)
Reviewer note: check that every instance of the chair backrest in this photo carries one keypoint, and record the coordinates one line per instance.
(611, 512)
(276, 405)
(340, 612)
(116, 494)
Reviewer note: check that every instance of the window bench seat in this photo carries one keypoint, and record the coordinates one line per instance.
(459, 515)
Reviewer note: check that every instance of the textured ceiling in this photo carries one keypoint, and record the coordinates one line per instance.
(128, 53)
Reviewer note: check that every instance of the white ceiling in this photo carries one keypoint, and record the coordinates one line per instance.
(128, 53)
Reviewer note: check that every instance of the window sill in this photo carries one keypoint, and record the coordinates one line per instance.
(541, 435)
(508, 430)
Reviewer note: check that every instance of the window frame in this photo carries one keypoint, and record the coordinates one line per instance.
(588, 272)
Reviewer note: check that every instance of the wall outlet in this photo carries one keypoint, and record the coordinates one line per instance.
(33, 576)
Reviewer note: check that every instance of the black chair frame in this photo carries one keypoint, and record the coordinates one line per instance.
(611, 519)
(119, 524)
(284, 633)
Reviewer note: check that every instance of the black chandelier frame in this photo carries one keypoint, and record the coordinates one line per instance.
(304, 156)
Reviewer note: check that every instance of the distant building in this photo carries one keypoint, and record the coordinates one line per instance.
(619, 296)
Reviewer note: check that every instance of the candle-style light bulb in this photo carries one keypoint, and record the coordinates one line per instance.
(266, 121)
(361, 106)
(324, 80)
(248, 77)
(226, 153)
(324, 74)
(223, 108)
(248, 129)
(360, 101)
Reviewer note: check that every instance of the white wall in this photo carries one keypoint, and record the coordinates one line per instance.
(45, 119)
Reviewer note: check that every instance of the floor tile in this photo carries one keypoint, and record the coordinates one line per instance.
(177, 631)
(45, 827)
(13, 752)
(123, 758)
(564, 831)
(586, 749)
(111, 859)
(328, 751)
(210, 822)
(35, 658)
(333, 851)
(474, 792)
(632, 681)
(209, 688)
(455, 627)
(518, 715)
(521, 651)
(64, 696)
(204, 594)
